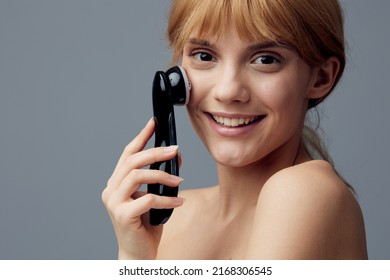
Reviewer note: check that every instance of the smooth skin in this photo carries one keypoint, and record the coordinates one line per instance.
(272, 201)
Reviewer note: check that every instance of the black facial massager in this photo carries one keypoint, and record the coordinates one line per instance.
(169, 88)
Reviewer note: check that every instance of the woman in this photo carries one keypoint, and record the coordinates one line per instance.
(256, 68)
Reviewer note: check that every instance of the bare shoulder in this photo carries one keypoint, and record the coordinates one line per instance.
(307, 212)
(312, 179)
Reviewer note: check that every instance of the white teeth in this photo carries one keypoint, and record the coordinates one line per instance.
(233, 122)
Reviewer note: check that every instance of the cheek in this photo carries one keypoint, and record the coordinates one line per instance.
(283, 96)
(198, 95)
(199, 88)
(284, 99)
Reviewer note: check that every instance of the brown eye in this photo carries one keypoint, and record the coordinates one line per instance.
(203, 56)
(266, 59)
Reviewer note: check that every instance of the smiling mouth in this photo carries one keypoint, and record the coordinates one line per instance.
(235, 122)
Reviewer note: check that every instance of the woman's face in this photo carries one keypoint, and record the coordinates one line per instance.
(248, 99)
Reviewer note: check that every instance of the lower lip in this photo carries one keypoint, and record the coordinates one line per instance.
(232, 131)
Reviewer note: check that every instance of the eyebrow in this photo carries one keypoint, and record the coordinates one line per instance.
(253, 47)
(269, 44)
(201, 42)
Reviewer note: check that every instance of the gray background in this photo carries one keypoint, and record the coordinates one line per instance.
(75, 87)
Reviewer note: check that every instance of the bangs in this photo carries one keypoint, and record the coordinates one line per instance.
(252, 20)
(217, 18)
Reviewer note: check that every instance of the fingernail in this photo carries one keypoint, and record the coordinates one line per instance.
(152, 119)
(178, 200)
(170, 149)
(176, 178)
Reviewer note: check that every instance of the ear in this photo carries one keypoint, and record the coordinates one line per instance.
(324, 78)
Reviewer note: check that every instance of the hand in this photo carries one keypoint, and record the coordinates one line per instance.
(128, 207)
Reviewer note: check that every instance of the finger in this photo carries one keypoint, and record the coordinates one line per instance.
(150, 156)
(142, 205)
(137, 177)
(140, 160)
(137, 144)
(140, 141)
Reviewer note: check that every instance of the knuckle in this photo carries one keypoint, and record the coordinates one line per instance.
(150, 199)
(128, 150)
(156, 154)
(135, 145)
(135, 174)
(129, 159)
(110, 205)
(111, 182)
(109, 201)
(105, 196)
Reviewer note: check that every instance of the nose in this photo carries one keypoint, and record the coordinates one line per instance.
(230, 85)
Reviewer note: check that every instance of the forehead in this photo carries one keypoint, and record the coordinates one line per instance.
(250, 20)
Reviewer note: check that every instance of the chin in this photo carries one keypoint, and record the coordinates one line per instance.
(231, 156)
